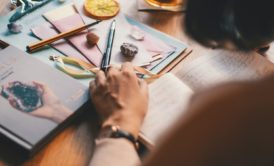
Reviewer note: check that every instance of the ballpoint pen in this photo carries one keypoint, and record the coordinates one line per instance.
(107, 54)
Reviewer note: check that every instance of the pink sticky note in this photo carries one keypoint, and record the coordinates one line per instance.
(79, 41)
(153, 44)
(46, 31)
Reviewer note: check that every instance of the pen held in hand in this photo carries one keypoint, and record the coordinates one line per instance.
(40, 44)
(138, 74)
(107, 55)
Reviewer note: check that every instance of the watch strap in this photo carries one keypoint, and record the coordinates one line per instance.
(116, 132)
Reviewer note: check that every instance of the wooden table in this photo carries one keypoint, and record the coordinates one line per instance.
(73, 146)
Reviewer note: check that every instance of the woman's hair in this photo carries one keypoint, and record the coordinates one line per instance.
(247, 24)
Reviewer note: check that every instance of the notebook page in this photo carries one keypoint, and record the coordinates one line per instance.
(168, 98)
(221, 66)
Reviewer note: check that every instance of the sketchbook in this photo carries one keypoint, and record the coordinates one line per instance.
(169, 95)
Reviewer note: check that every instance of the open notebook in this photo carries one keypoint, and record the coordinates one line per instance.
(169, 95)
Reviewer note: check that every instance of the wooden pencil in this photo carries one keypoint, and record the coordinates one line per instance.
(42, 43)
(3, 44)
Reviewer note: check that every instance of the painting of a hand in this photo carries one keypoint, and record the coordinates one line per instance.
(52, 108)
(35, 99)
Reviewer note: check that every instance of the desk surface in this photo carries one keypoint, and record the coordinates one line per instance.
(73, 146)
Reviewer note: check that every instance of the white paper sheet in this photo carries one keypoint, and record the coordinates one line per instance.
(168, 99)
(220, 66)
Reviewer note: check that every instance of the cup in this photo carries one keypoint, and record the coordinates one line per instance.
(166, 4)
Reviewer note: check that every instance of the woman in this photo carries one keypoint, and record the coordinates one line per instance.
(231, 124)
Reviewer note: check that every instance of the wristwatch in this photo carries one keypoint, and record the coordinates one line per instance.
(115, 131)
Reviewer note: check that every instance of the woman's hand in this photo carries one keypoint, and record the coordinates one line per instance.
(52, 108)
(120, 98)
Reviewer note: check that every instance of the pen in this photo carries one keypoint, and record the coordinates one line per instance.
(107, 53)
(40, 44)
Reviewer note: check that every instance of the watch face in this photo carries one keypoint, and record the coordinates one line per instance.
(24, 97)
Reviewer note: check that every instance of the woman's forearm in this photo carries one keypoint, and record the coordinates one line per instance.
(114, 152)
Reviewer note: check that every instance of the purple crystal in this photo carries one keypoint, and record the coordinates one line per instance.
(128, 49)
(15, 28)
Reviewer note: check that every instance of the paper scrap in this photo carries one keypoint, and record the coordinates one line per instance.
(46, 31)
(79, 41)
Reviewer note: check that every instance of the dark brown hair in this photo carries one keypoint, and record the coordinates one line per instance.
(248, 24)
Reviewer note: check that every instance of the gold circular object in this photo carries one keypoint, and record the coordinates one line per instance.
(173, 5)
(102, 9)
